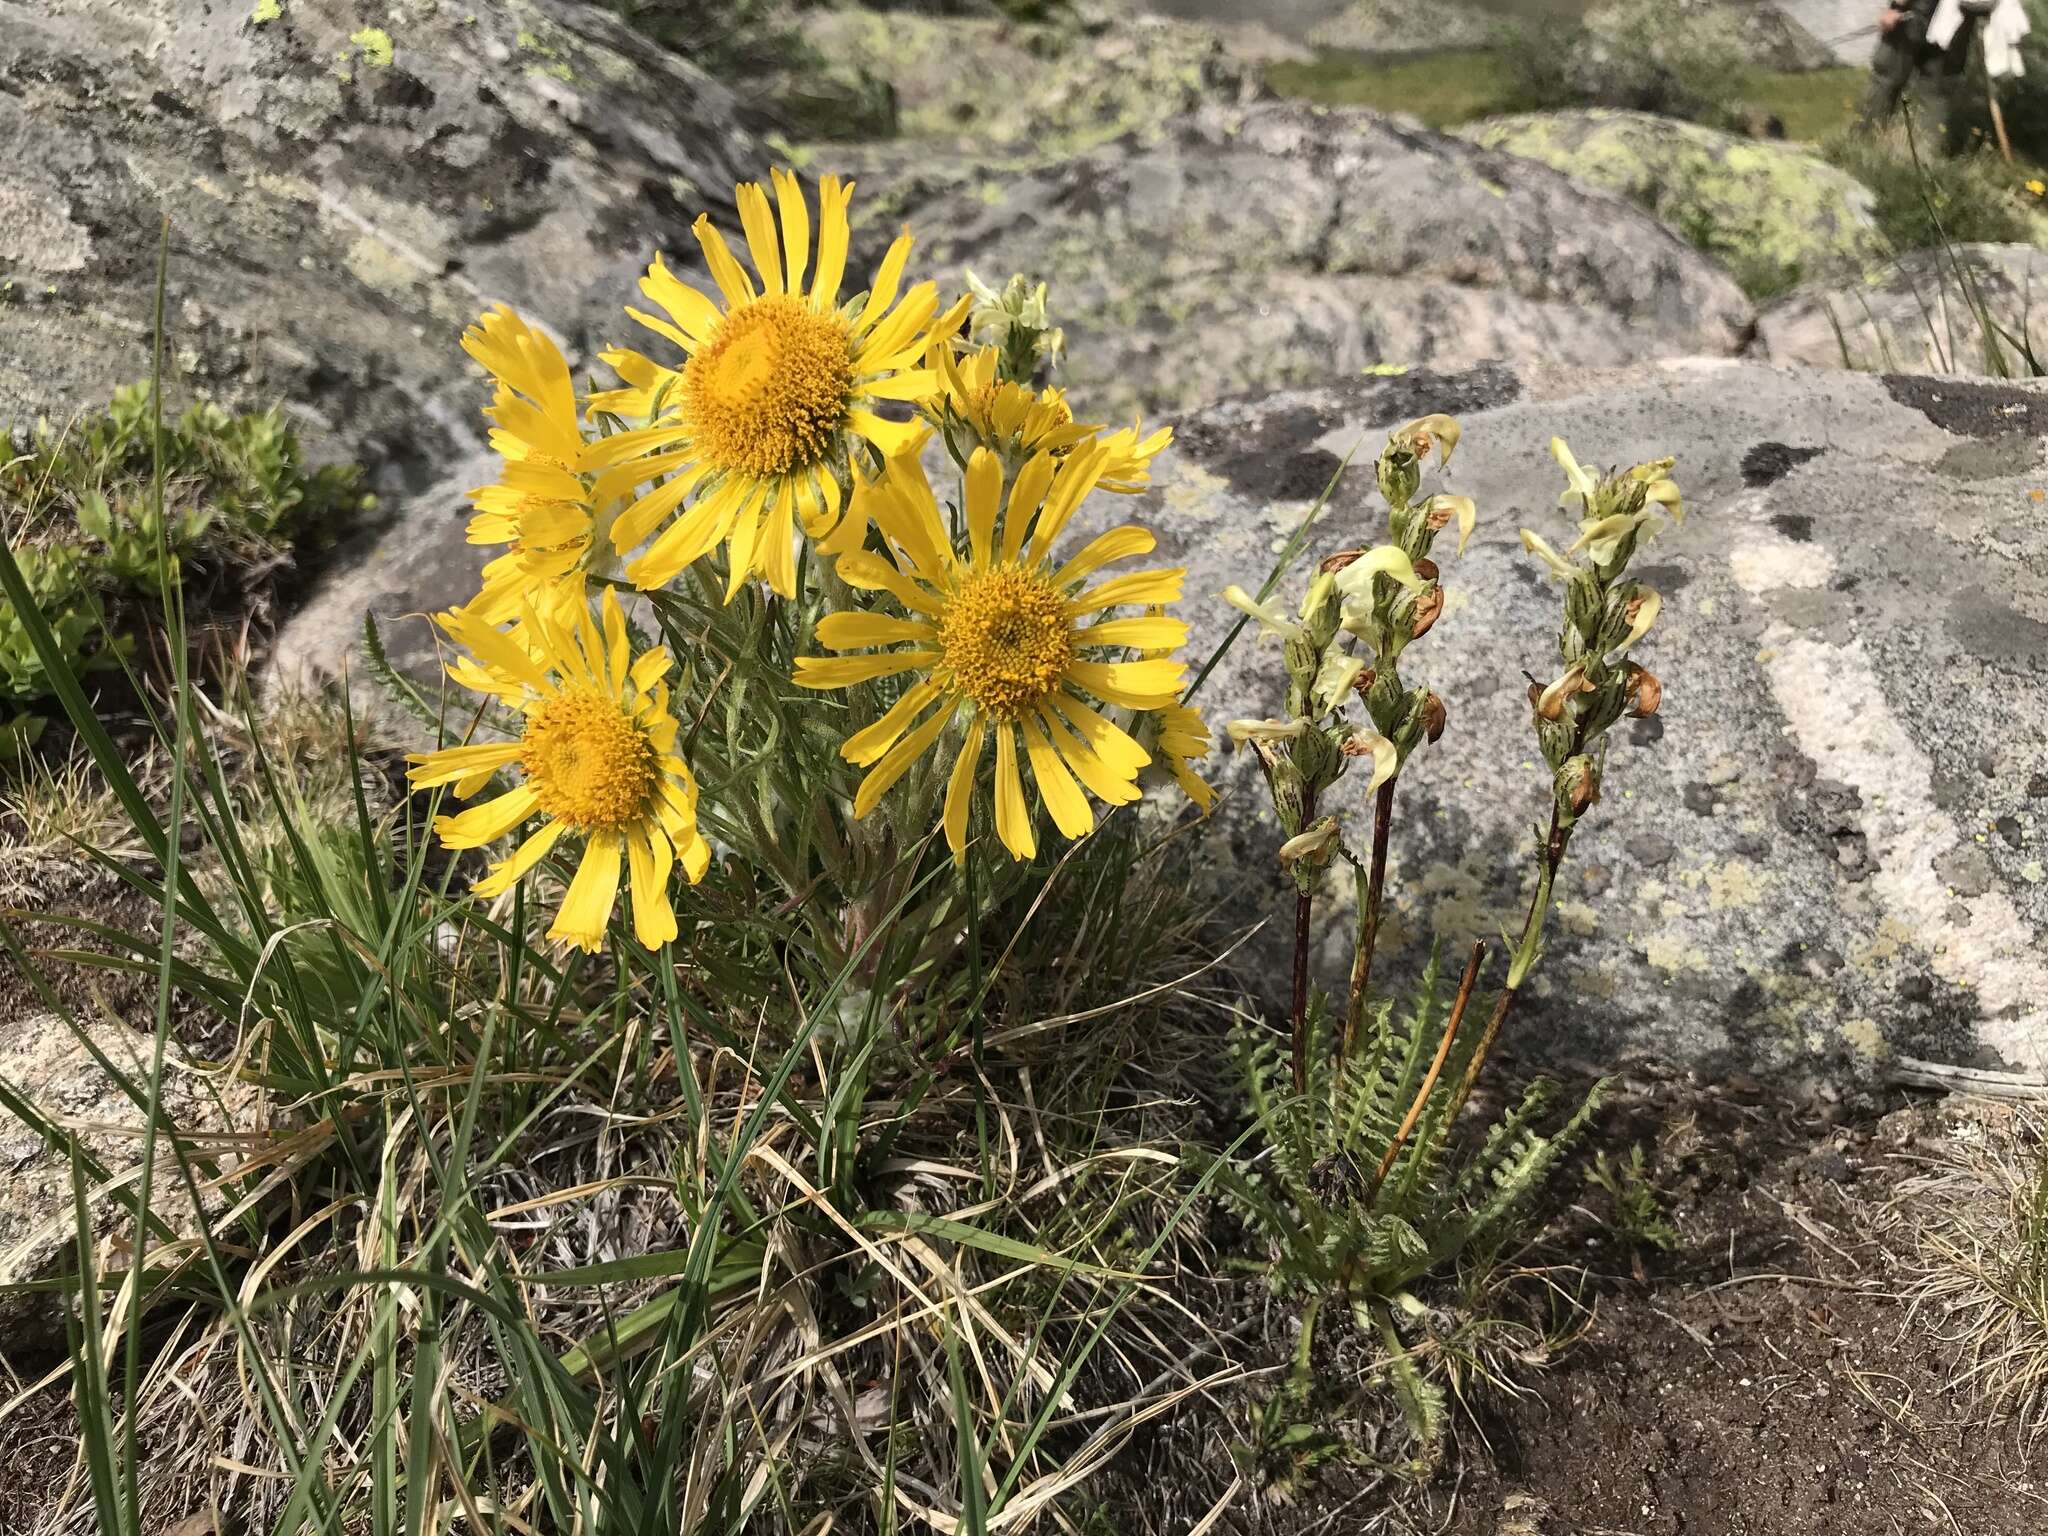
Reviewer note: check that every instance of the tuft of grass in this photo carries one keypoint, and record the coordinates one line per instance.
(1926, 201)
(1978, 1269)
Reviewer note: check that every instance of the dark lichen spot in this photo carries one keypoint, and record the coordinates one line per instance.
(1989, 630)
(1796, 526)
(1973, 409)
(1255, 449)
(1667, 579)
(1392, 399)
(1645, 733)
(1699, 799)
(1767, 463)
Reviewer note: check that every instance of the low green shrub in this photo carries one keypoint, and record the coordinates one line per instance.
(1926, 200)
(84, 522)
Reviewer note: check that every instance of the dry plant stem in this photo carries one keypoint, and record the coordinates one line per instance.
(1436, 1067)
(1369, 915)
(1525, 955)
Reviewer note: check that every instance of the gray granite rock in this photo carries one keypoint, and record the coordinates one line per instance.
(1280, 244)
(42, 1060)
(1829, 846)
(1396, 27)
(1772, 213)
(1921, 311)
(1797, 865)
(341, 200)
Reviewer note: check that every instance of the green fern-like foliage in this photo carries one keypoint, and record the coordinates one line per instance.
(1334, 1228)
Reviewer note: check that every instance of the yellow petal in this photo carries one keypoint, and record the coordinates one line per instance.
(452, 763)
(796, 226)
(960, 787)
(1151, 684)
(488, 822)
(849, 631)
(896, 762)
(726, 271)
(1117, 544)
(587, 907)
(984, 502)
(1139, 589)
(650, 858)
(1142, 634)
(833, 198)
(1013, 815)
(888, 279)
(1106, 783)
(1056, 786)
(863, 747)
(758, 221)
(508, 872)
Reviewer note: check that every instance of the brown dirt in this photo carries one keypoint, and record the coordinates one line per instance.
(1712, 1399)
(1765, 1378)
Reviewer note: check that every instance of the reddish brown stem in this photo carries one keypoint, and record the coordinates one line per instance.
(1553, 856)
(1443, 1052)
(1369, 919)
(1302, 904)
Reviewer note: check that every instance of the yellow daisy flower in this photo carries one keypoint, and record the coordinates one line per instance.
(597, 758)
(545, 504)
(777, 391)
(999, 638)
(1017, 421)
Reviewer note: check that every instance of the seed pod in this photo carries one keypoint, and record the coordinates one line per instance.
(1578, 785)
(1428, 608)
(1330, 565)
(1365, 680)
(1643, 691)
(1434, 717)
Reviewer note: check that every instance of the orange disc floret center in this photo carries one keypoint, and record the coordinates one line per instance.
(587, 763)
(1007, 639)
(767, 392)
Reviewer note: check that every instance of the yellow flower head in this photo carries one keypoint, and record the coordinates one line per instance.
(777, 389)
(974, 401)
(551, 500)
(1000, 638)
(597, 758)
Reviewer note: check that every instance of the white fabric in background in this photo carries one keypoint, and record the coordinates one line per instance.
(2003, 29)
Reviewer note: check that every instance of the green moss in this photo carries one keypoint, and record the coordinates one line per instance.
(1773, 214)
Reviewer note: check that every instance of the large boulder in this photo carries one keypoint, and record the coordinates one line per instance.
(1846, 28)
(1829, 846)
(1772, 213)
(46, 1063)
(342, 199)
(1758, 33)
(1268, 246)
(1926, 310)
(1093, 74)
(1397, 27)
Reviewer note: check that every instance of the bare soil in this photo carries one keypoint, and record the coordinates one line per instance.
(1766, 1377)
